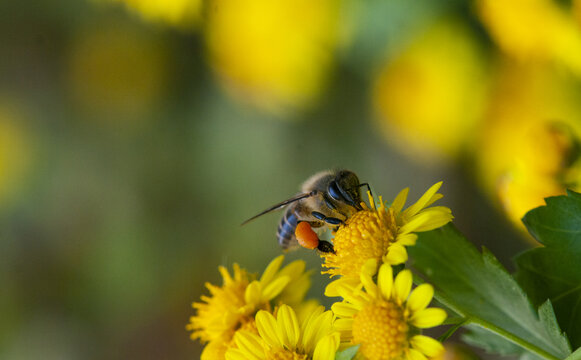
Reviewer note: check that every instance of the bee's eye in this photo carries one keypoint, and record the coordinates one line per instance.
(334, 191)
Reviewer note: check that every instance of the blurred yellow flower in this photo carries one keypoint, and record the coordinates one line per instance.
(386, 319)
(276, 54)
(430, 97)
(542, 168)
(382, 233)
(15, 152)
(232, 306)
(117, 73)
(183, 14)
(534, 29)
(526, 149)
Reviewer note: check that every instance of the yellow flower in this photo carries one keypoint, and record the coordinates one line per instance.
(525, 150)
(284, 338)
(275, 54)
(386, 319)
(232, 306)
(179, 13)
(430, 97)
(542, 168)
(516, 27)
(382, 233)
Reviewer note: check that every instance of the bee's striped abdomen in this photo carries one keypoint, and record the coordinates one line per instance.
(286, 229)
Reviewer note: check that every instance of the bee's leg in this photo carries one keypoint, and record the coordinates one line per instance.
(334, 221)
(325, 247)
(368, 187)
(327, 219)
(358, 206)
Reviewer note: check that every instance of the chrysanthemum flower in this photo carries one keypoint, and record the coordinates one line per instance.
(386, 319)
(233, 305)
(284, 338)
(431, 95)
(382, 233)
(274, 54)
(513, 26)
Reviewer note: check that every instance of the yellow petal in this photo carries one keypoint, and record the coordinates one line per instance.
(253, 293)
(294, 269)
(421, 203)
(237, 354)
(248, 342)
(289, 325)
(275, 287)
(214, 349)
(266, 325)
(426, 220)
(369, 268)
(428, 318)
(271, 270)
(407, 239)
(323, 324)
(225, 275)
(317, 327)
(309, 310)
(385, 280)
(344, 324)
(420, 298)
(340, 287)
(399, 201)
(413, 354)
(434, 198)
(426, 345)
(327, 347)
(296, 289)
(396, 254)
(402, 285)
(369, 285)
(343, 309)
(309, 333)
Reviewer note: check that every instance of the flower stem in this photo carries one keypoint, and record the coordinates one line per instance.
(515, 339)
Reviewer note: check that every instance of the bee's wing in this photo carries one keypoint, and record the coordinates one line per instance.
(281, 204)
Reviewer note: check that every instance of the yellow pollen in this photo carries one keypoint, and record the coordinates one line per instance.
(365, 235)
(381, 330)
(283, 354)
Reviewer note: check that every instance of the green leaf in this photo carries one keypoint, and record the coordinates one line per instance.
(575, 355)
(347, 354)
(477, 287)
(558, 224)
(554, 271)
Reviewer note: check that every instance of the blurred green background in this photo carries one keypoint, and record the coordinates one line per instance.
(135, 137)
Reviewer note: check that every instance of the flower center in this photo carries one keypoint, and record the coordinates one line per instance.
(381, 330)
(283, 354)
(366, 235)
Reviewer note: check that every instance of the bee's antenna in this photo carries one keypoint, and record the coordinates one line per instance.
(284, 203)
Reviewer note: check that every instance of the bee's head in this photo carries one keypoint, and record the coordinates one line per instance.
(345, 188)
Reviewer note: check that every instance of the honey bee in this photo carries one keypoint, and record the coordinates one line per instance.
(327, 199)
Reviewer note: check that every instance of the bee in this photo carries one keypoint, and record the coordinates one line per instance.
(327, 199)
